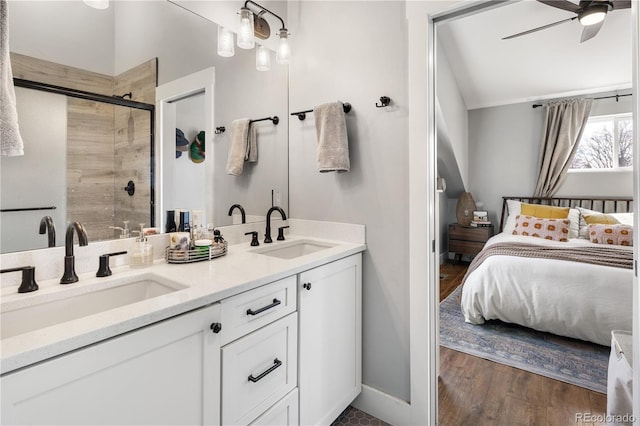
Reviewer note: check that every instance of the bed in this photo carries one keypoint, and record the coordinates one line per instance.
(584, 298)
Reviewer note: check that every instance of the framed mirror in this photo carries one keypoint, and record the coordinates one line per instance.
(182, 42)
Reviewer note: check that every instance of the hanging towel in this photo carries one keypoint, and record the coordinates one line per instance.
(10, 139)
(333, 146)
(252, 144)
(238, 146)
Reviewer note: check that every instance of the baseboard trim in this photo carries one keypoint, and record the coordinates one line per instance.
(383, 406)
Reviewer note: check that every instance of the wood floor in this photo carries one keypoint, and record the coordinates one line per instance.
(474, 391)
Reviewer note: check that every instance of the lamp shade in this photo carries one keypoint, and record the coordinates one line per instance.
(263, 59)
(284, 50)
(245, 31)
(225, 42)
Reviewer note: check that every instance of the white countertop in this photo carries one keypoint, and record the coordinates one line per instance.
(207, 282)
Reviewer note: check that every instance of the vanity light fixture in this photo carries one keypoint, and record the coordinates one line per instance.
(97, 4)
(225, 42)
(263, 59)
(254, 25)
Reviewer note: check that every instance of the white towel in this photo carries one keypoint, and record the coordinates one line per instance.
(10, 139)
(238, 146)
(333, 146)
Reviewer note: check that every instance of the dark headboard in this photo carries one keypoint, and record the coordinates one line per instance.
(600, 204)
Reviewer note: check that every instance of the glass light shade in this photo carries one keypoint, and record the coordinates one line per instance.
(593, 15)
(225, 42)
(284, 50)
(263, 59)
(245, 31)
(97, 4)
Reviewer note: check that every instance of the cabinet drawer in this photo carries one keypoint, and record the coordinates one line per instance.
(465, 247)
(246, 312)
(283, 413)
(258, 370)
(482, 234)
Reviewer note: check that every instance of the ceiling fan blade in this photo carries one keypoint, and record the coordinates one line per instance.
(539, 28)
(621, 4)
(590, 31)
(562, 4)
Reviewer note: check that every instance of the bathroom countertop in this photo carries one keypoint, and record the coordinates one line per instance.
(207, 282)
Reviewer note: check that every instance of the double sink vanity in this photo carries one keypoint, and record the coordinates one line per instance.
(262, 335)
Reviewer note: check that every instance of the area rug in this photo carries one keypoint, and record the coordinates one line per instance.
(568, 360)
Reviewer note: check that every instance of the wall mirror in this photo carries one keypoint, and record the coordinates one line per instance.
(182, 37)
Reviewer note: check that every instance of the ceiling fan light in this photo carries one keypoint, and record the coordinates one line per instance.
(593, 15)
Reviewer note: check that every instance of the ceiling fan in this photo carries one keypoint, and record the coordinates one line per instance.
(590, 13)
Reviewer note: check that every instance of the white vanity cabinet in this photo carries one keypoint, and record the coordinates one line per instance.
(330, 336)
(166, 373)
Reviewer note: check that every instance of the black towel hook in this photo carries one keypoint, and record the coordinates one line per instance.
(220, 129)
(384, 102)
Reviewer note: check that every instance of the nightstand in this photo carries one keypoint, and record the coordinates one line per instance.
(467, 239)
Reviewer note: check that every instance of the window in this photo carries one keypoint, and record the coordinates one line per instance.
(607, 143)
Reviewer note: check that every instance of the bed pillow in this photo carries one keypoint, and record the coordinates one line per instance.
(539, 210)
(514, 209)
(619, 235)
(605, 219)
(547, 228)
(623, 218)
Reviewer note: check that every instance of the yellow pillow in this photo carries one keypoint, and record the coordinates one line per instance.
(546, 212)
(604, 219)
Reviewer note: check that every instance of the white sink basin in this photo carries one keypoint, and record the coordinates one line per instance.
(41, 311)
(293, 249)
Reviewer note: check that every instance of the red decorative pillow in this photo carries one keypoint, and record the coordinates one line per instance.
(549, 229)
(619, 235)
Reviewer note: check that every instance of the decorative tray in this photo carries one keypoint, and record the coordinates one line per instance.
(196, 254)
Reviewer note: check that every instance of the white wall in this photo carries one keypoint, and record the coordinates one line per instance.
(504, 144)
(333, 59)
(69, 32)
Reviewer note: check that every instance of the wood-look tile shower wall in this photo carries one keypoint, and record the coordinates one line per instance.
(106, 146)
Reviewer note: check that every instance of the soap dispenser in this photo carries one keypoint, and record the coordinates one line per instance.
(141, 255)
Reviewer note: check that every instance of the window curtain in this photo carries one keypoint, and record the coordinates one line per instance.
(564, 124)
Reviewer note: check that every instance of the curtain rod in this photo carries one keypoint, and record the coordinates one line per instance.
(595, 99)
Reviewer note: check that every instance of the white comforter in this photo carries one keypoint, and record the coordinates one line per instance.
(571, 299)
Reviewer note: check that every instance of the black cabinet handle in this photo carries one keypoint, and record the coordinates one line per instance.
(276, 363)
(306, 286)
(216, 327)
(275, 303)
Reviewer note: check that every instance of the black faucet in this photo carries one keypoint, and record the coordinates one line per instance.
(69, 275)
(239, 207)
(46, 225)
(28, 283)
(267, 235)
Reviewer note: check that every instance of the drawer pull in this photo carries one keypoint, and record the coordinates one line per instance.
(216, 327)
(275, 303)
(276, 363)
(306, 286)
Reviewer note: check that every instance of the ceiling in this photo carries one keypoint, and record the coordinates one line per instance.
(547, 64)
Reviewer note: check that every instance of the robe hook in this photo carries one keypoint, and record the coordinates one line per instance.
(384, 102)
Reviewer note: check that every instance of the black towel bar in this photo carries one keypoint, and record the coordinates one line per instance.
(274, 119)
(346, 107)
(26, 209)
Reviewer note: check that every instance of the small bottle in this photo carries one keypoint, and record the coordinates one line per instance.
(170, 225)
(141, 254)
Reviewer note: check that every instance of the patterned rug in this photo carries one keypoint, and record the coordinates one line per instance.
(569, 360)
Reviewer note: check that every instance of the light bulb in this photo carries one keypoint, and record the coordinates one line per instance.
(225, 42)
(263, 59)
(245, 31)
(284, 50)
(97, 4)
(592, 18)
